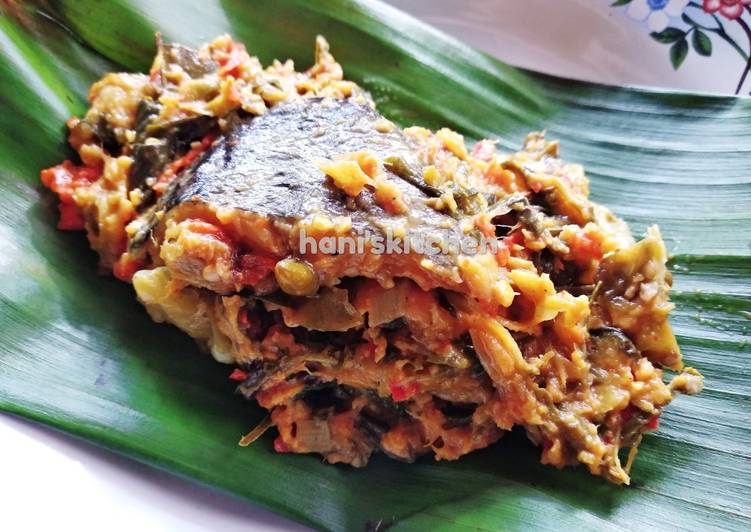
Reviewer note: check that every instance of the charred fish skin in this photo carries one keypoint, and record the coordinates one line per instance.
(268, 166)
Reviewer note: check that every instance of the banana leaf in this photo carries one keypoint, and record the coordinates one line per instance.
(78, 353)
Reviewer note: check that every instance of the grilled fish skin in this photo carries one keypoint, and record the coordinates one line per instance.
(267, 167)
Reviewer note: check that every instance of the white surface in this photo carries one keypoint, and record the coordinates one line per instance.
(51, 481)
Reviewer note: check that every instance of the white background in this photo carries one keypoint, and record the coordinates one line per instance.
(52, 481)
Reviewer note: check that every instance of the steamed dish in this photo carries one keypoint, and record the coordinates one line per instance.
(253, 208)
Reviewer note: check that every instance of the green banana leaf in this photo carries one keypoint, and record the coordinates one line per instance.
(77, 351)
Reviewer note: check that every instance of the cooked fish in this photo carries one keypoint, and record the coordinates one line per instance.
(267, 171)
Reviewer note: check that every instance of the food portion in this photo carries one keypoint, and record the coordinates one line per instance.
(376, 288)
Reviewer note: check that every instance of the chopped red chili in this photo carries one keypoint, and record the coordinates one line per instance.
(253, 268)
(71, 218)
(654, 422)
(126, 267)
(63, 180)
(238, 375)
(403, 391)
